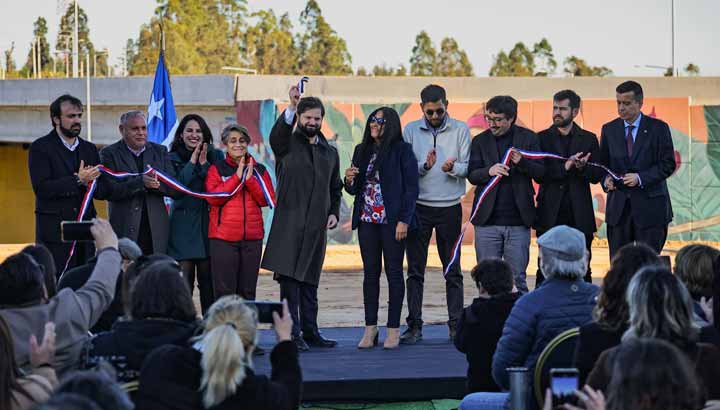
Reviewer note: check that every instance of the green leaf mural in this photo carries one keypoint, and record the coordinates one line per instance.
(712, 119)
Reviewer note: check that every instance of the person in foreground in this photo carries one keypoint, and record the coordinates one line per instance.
(216, 370)
(384, 181)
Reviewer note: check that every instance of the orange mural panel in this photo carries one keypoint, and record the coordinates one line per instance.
(698, 126)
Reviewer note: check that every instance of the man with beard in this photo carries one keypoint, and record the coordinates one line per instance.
(442, 146)
(136, 204)
(564, 197)
(308, 201)
(502, 224)
(62, 165)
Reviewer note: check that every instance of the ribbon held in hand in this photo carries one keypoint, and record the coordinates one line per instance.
(301, 84)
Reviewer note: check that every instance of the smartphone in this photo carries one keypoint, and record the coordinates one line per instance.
(76, 231)
(563, 383)
(665, 260)
(264, 309)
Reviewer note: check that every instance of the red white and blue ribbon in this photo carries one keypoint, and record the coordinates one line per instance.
(494, 181)
(301, 84)
(172, 183)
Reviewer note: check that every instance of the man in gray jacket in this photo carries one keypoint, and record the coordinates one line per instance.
(25, 307)
(442, 146)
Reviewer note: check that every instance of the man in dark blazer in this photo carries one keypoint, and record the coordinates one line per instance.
(564, 196)
(502, 224)
(640, 149)
(136, 204)
(62, 165)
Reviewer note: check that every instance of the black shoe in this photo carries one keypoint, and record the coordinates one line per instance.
(316, 340)
(411, 336)
(300, 343)
(258, 351)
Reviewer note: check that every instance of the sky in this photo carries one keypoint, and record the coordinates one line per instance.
(623, 35)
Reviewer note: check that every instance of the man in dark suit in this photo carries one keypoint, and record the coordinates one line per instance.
(62, 165)
(502, 224)
(137, 208)
(564, 197)
(640, 149)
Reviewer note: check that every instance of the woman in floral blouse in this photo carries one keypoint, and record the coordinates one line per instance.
(383, 177)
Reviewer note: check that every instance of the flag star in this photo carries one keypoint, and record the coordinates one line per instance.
(155, 108)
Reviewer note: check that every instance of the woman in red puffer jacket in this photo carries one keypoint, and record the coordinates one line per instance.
(236, 228)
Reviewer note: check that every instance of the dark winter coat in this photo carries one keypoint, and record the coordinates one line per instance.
(240, 217)
(189, 215)
(308, 192)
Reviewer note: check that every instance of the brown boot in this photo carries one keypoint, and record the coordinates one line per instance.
(370, 338)
(392, 340)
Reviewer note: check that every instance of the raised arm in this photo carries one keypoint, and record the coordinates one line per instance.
(282, 130)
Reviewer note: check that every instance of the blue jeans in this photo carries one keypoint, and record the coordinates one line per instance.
(484, 401)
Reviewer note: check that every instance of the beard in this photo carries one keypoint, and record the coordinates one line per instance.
(73, 132)
(562, 122)
(309, 132)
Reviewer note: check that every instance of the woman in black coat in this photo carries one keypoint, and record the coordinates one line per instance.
(215, 370)
(383, 177)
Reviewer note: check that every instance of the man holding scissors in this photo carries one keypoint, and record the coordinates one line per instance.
(442, 146)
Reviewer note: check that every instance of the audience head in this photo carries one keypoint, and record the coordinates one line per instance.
(566, 106)
(660, 307)
(129, 251)
(434, 103)
(501, 113)
(66, 115)
(191, 132)
(9, 371)
(22, 281)
(134, 270)
(236, 139)
(160, 291)
(98, 387)
(310, 112)
(68, 401)
(611, 311)
(649, 374)
(694, 267)
(563, 253)
(44, 258)
(133, 129)
(629, 96)
(228, 340)
(493, 276)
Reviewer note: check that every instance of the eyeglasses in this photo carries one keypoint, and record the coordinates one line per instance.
(440, 112)
(494, 120)
(377, 120)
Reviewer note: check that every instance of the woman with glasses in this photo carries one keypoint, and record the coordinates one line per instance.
(383, 177)
(192, 153)
(236, 222)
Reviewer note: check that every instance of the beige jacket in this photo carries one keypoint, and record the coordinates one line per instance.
(74, 313)
(39, 385)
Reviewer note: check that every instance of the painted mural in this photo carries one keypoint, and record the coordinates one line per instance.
(694, 187)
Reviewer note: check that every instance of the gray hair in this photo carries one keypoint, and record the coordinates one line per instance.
(130, 114)
(552, 266)
(225, 134)
(660, 307)
(128, 249)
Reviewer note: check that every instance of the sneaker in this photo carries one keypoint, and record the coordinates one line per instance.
(411, 336)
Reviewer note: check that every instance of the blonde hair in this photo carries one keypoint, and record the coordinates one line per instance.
(228, 340)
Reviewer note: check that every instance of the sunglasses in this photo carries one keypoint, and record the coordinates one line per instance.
(376, 120)
(440, 112)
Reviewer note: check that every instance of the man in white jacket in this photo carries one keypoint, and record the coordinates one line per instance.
(442, 146)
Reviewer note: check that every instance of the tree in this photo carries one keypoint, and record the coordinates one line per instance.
(519, 62)
(544, 58)
(401, 71)
(322, 51)
(268, 45)
(692, 69)
(9, 62)
(577, 67)
(85, 45)
(423, 58)
(452, 61)
(39, 32)
(200, 37)
(361, 72)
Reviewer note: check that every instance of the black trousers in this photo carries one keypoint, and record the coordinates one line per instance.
(235, 267)
(303, 304)
(566, 218)
(627, 232)
(447, 222)
(200, 269)
(377, 241)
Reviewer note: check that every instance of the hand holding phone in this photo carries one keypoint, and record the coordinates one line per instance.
(76, 231)
(564, 384)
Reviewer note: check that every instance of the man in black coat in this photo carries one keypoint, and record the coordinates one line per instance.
(640, 149)
(564, 196)
(136, 204)
(308, 203)
(502, 224)
(62, 165)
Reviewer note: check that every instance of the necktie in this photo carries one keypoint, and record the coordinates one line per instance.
(629, 140)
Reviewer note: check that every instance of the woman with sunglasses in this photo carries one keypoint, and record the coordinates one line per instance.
(383, 177)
